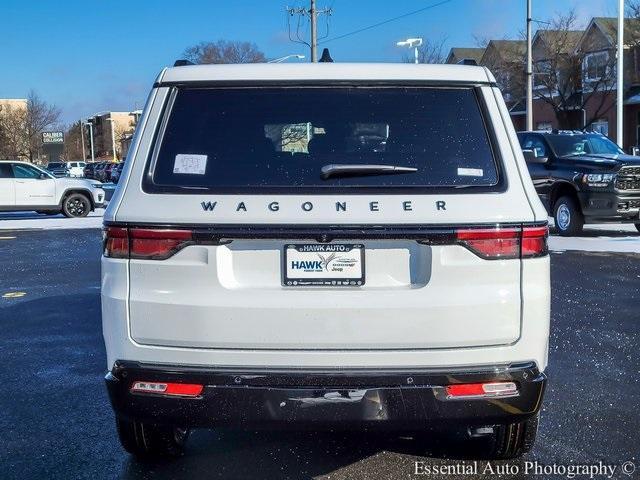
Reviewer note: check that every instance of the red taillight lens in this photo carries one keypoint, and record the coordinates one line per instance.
(157, 244)
(144, 243)
(170, 389)
(534, 241)
(494, 389)
(497, 243)
(492, 243)
(116, 242)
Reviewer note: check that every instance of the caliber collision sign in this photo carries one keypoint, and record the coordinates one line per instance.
(52, 137)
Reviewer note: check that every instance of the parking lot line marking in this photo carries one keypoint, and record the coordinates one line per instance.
(14, 294)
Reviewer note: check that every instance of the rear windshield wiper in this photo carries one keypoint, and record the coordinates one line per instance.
(356, 170)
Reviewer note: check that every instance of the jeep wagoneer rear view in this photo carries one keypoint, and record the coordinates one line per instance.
(325, 246)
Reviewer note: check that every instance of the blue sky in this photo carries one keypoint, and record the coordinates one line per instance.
(89, 56)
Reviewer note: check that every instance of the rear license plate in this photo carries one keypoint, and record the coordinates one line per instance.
(331, 264)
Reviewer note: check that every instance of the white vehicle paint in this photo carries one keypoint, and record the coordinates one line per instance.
(24, 187)
(76, 169)
(194, 266)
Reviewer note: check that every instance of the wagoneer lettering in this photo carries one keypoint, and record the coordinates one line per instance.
(373, 206)
(333, 263)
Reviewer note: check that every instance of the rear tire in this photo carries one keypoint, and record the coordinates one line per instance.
(638, 226)
(514, 439)
(148, 440)
(568, 217)
(76, 205)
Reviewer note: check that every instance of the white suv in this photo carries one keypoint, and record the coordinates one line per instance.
(326, 245)
(24, 186)
(76, 169)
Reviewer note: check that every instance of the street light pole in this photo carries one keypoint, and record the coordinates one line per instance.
(529, 125)
(286, 57)
(411, 43)
(620, 76)
(84, 153)
(93, 156)
(113, 137)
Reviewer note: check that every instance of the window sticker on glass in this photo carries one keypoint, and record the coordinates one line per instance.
(190, 164)
(470, 172)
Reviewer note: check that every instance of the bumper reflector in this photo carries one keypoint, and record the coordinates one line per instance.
(496, 389)
(170, 389)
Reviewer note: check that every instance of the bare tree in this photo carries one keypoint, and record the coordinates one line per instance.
(122, 134)
(224, 51)
(559, 78)
(13, 138)
(22, 127)
(431, 51)
(506, 60)
(73, 142)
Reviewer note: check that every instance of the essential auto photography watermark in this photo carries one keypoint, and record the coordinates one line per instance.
(531, 468)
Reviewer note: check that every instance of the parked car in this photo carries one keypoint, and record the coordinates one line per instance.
(58, 169)
(97, 171)
(89, 169)
(76, 169)
(24, 186)
(284, 266)
(582, 178)
(116, 172)
(106, 172)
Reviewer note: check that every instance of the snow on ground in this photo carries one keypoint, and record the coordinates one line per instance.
(623, 238)
(36, 221)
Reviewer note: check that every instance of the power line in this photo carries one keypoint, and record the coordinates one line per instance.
(360, 30)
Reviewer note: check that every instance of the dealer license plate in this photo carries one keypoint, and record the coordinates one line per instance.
(331, 264)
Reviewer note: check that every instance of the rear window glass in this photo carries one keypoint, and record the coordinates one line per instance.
(247, 139)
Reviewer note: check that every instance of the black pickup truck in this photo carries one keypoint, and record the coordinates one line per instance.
(582, 178)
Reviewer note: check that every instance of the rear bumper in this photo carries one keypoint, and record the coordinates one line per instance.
(399, 399)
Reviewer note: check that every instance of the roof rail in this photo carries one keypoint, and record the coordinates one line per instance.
(182, 62)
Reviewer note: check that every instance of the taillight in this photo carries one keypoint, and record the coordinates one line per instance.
(169, 389)
(157, 244)
(534, 241)
(493, 389)
(491, 243)
(116, 242)
(144, 243)
(504, 243)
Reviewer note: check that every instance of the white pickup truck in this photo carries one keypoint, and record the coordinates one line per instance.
(24, 187)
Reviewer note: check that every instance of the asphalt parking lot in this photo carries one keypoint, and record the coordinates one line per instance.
(56, 421)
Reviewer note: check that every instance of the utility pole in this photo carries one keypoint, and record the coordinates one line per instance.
(314, 32)
(529, 71)
(620, 76)
(313, 13)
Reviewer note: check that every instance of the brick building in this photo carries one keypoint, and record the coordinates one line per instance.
(575, 72)
(110, 129)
